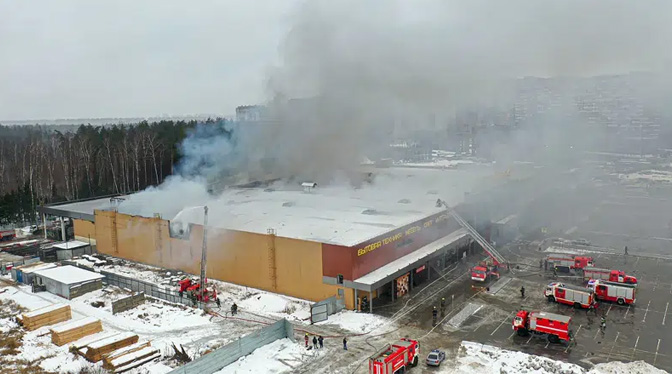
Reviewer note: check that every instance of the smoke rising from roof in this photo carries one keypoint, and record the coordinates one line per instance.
(370, 67)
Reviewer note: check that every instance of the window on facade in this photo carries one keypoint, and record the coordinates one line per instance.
(339, 278)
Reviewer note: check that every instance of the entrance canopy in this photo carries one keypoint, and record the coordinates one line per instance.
(400, 266)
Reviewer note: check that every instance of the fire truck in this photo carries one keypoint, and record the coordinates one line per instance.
(7, 235)
(569, 262)
(192, 287)
(395, 358)
(578, 297)
(484, 271)
(616, 276)
(554, 327)
(622, 293)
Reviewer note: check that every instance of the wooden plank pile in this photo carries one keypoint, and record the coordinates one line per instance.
(46, 316)
(75, 330)
(96, 350)
(130, 357)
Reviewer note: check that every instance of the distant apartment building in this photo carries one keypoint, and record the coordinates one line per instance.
(251, 113)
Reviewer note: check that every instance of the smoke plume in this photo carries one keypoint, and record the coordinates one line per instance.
(356, 75)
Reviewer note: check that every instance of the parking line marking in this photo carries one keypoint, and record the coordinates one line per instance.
(637, 262)
(671, 289)
(635, 347)
(528, 340)
(647, 311)
(510, 336)
(596, 332)
(547, 343)
(626, 312)
(500, 325)
(656, 356)
(665, 315)
(613, 346)
(609, 310)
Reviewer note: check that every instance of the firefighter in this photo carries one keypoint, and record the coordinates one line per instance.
(555, 271)
(315, 342)
(321, 341)
(545, 264)
(434, 315)
(234, 309)
(219, 303)
(626, 250)
(522, 292)
(443, 303)
(345, 343)
(306, 339)
(603, 323)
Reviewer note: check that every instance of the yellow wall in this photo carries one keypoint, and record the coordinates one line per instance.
(238, 257)
(84, 230)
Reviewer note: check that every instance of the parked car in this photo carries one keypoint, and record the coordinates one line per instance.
(435, 357)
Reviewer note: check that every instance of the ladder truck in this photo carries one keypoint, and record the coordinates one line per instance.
(482, 271)
(554, 327)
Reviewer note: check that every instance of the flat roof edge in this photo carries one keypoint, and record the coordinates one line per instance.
(65, 213)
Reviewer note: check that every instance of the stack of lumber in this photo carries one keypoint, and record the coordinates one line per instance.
(96, 350)
(74, 330)
(46, 316)
(130, 357)
(81, 345)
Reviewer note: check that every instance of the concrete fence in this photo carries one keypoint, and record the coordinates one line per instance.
(127, 303)
(83, 288)
(321, 310)
(218, 359)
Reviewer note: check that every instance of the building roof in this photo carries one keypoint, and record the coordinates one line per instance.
(69, 274)
(72, 244)
(329, 213)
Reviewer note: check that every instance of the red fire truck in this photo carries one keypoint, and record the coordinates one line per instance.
(578, 297)
(616, 276)
(483, 272)
(554, 327)
(395, 358)
(568, 261)
(7, 235)
(622, 293)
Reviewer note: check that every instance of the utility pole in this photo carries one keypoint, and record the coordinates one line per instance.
(204, 251)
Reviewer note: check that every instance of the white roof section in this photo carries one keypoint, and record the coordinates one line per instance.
(402, 264)
(72, 244)
(334, 213)
(69, 274)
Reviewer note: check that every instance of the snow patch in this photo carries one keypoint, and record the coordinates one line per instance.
(356, 322)
(281, 356)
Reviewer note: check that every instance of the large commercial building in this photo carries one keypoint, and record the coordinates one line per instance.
(303, 240)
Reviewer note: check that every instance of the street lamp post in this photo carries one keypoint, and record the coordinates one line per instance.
(204, 252)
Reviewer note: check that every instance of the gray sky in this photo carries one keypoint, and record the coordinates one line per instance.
(74, 59)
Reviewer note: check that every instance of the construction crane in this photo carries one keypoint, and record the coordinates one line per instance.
(497, 258)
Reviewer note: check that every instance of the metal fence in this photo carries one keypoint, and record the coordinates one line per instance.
(321, 310)
(149, 289)
(220, 358)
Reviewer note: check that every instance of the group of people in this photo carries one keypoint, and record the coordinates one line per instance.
(318, 341)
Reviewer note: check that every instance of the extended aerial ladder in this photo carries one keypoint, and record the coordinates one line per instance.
(497, 258)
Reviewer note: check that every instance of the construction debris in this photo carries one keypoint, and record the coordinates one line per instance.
(75, 330)
(46, 316)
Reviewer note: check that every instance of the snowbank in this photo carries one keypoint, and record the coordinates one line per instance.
(486, 359)
(281, 356)
(356, 322)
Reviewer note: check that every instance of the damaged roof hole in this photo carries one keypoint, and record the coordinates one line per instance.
(370, 211)
(288, 203)
(404, 201)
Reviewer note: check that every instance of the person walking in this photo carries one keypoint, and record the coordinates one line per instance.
(234, 309)
(522, 292)
(306, 339)
(435, 313)
(345, 343)
(626, 250)
(315, 342)
(321, 341)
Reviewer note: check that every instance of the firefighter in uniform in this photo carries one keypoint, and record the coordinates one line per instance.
(434, 315)
(522, 292)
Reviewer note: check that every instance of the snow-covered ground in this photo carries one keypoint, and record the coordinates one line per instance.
(281, 356)
(486, 359)
(355, 322)
(437, 163)
(648, 176)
